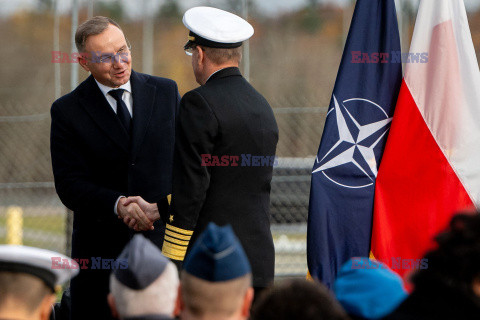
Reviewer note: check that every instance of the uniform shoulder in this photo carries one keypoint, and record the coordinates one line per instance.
(197, 93)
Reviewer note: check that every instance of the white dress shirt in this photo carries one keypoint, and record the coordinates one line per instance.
(127, 98)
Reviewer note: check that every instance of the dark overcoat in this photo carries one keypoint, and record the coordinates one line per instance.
(95, 161)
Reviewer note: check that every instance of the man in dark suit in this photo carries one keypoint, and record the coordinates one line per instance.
(225, 147)
(112, 137)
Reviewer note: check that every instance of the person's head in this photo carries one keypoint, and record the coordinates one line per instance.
(202, 299)
(24, 296)
(216, 282)
(456, 260)
(105, 50)
(368, 289)
(297, 299)
(28, 277)
(215, 40)
(146, 284)
(206, 60)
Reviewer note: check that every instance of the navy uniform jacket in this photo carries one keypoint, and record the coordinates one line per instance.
(224, 119)
(94, 162)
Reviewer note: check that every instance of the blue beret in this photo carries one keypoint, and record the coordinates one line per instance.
(141, 263)
(217, 255)
(368, 289)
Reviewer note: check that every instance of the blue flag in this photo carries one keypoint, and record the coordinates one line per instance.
(356, 128)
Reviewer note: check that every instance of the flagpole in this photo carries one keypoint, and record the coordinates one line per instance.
(56, 48)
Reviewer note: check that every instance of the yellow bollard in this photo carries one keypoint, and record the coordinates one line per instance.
(14, 225)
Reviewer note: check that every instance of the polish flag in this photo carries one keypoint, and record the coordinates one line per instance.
(431, 165)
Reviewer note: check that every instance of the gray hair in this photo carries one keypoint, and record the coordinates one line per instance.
(158, 298)
(92, 27)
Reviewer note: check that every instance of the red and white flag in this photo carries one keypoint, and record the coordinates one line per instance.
(431, 165)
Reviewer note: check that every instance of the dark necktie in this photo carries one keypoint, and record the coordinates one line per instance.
(122, 110)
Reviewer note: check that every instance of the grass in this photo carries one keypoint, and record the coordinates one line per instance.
(51, 224)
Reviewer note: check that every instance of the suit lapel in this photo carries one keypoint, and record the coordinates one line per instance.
(143, 102)
(94, 102)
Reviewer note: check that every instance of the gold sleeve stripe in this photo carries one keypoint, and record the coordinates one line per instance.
(176, 241)
(178, 255)
(177, 235)
(169, 199)
(179, 230)
(174, 246)
(172, 256)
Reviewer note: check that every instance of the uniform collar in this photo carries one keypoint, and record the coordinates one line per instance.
(225, 72)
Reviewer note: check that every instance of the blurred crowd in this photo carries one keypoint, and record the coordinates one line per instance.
(216, 283)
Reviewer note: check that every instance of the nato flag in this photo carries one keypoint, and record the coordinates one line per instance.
(356, 127)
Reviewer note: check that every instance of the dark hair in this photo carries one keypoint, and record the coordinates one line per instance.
(456, 260)
(91, 27)
(298, 299)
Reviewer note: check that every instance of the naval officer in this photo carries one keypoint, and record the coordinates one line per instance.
(224, 117)
(29, 278)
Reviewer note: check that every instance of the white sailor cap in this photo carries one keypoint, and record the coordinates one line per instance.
(51, 267)
(215, 28)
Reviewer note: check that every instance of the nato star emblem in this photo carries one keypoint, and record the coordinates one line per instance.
(355, 145)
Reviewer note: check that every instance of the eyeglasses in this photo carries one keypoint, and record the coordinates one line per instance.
(121, 55)
(190, 49)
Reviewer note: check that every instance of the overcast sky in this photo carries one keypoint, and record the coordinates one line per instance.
(134, 7)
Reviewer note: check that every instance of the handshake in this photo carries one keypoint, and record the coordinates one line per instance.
(137, 213)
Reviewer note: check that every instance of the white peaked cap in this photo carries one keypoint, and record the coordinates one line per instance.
(51, 267)
(219, 28)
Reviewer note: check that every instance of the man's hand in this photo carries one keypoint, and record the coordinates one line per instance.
(133, 216)
(150, 209)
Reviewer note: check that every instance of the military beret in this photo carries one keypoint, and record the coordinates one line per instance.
(217, 255)
(368, 289)
(143, 262)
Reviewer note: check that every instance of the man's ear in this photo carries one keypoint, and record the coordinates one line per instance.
(113, 307)
(179, 305)
(247, 302)
(82, 61)
(46, 306)
(201, 56)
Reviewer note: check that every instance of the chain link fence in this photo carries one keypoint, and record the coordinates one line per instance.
(27, 183)
(293, 62)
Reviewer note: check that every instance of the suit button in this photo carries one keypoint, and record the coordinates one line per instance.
(132, 164)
